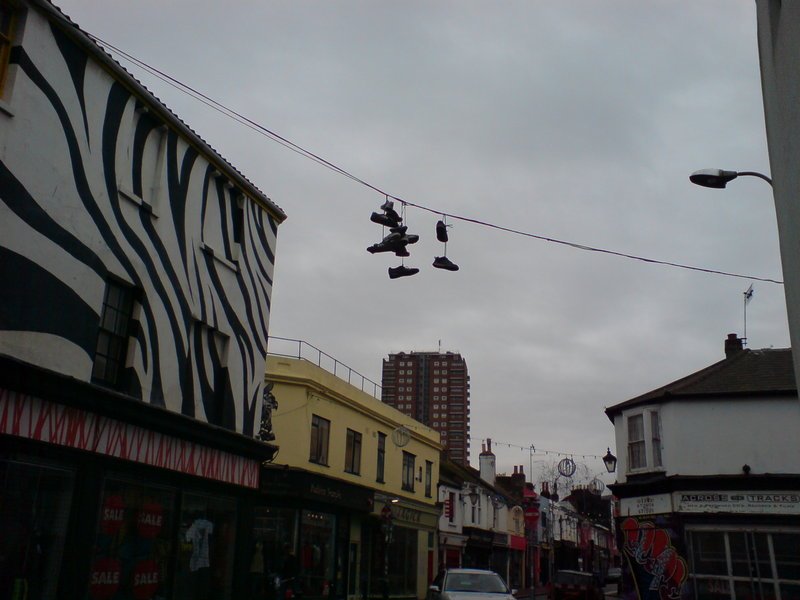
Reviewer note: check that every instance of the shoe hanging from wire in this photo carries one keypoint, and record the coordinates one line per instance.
(442, 262)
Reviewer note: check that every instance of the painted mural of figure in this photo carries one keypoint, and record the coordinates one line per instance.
(269, 405)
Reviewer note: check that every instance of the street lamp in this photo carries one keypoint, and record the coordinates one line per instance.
(717, 178)
(610, 461)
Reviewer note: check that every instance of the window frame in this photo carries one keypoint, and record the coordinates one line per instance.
(409, 462)
(637, 448)
(380, 470)
(655, 439)
(352, 452)
(428, 479)
(119, 336)
(320, 440)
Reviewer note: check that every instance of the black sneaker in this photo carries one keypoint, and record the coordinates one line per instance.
(388, 205)
(384, 219)
(442, 262)
(401, 229)
(388, 244)
(402, 271)
(441, 231)
(410, 238)
(392, 214)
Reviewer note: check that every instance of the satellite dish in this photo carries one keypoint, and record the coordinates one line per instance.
(401, 436)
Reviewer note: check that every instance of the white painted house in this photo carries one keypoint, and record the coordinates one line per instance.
(708, 481)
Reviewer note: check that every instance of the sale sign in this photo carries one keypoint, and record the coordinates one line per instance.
(150, 520)
(104, 578)
(113, 514)
(146, 579)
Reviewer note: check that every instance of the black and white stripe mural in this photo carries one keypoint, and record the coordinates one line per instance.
(97, 186)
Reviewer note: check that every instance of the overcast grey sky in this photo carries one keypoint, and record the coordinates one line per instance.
(575, 120)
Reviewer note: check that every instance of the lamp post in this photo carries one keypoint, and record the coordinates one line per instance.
(719, 178)
(610, 461)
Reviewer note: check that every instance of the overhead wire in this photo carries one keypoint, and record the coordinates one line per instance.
(221, 108)
(532, 449)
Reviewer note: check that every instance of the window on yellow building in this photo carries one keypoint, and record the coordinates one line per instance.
(320, 434)
(408, 471)
(381, 457)
(352, 453)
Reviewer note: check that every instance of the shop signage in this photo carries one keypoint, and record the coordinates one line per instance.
(645, 505)
(146, 578)
(479, 536)
(104, 578)
(36, 419)
(308, 486)
(768, 503)
(500, 539)
(409, 515)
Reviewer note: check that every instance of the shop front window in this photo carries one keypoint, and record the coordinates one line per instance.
(34, 510)
(402, 554)
(316, 555)
(133, 543)
(206, 542)
(273, 553)
(745, 564)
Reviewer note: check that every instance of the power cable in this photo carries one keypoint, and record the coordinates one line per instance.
(221, 108)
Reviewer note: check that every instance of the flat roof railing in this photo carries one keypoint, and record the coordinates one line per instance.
(300, 349)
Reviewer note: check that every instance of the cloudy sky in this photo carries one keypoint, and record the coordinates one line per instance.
(572, 120)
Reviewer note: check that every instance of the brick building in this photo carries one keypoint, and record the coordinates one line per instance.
(433, 388)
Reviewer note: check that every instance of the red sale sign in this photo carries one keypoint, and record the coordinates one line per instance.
(113, 514)
(104, 579)
(150, 520)
(146, 578)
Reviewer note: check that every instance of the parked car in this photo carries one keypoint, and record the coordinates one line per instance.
(614, 575)
(469, 584)
(575, 585)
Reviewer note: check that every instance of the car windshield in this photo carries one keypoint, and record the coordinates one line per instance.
(484, 583)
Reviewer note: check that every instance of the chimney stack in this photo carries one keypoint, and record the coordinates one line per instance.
(488, 464)
(733, 345)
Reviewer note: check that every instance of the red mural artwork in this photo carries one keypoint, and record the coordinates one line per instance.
(652, 548)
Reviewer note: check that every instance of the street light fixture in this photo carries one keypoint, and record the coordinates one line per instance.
(610, 461)
(718, 178)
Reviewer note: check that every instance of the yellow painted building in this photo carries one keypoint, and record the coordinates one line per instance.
(339, 442)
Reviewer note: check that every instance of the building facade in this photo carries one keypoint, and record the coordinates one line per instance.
(137, 266)
(433, 388)
(337, 437)
(708, 482)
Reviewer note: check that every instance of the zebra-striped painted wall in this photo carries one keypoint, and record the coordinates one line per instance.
(95, 183)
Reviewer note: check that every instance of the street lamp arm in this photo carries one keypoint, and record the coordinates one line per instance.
(719, 178)
(756, 174)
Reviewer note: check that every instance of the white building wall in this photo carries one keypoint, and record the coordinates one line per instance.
(719, 437)
(779, 50)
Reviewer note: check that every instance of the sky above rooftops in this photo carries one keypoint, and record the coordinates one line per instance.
(578, 121)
